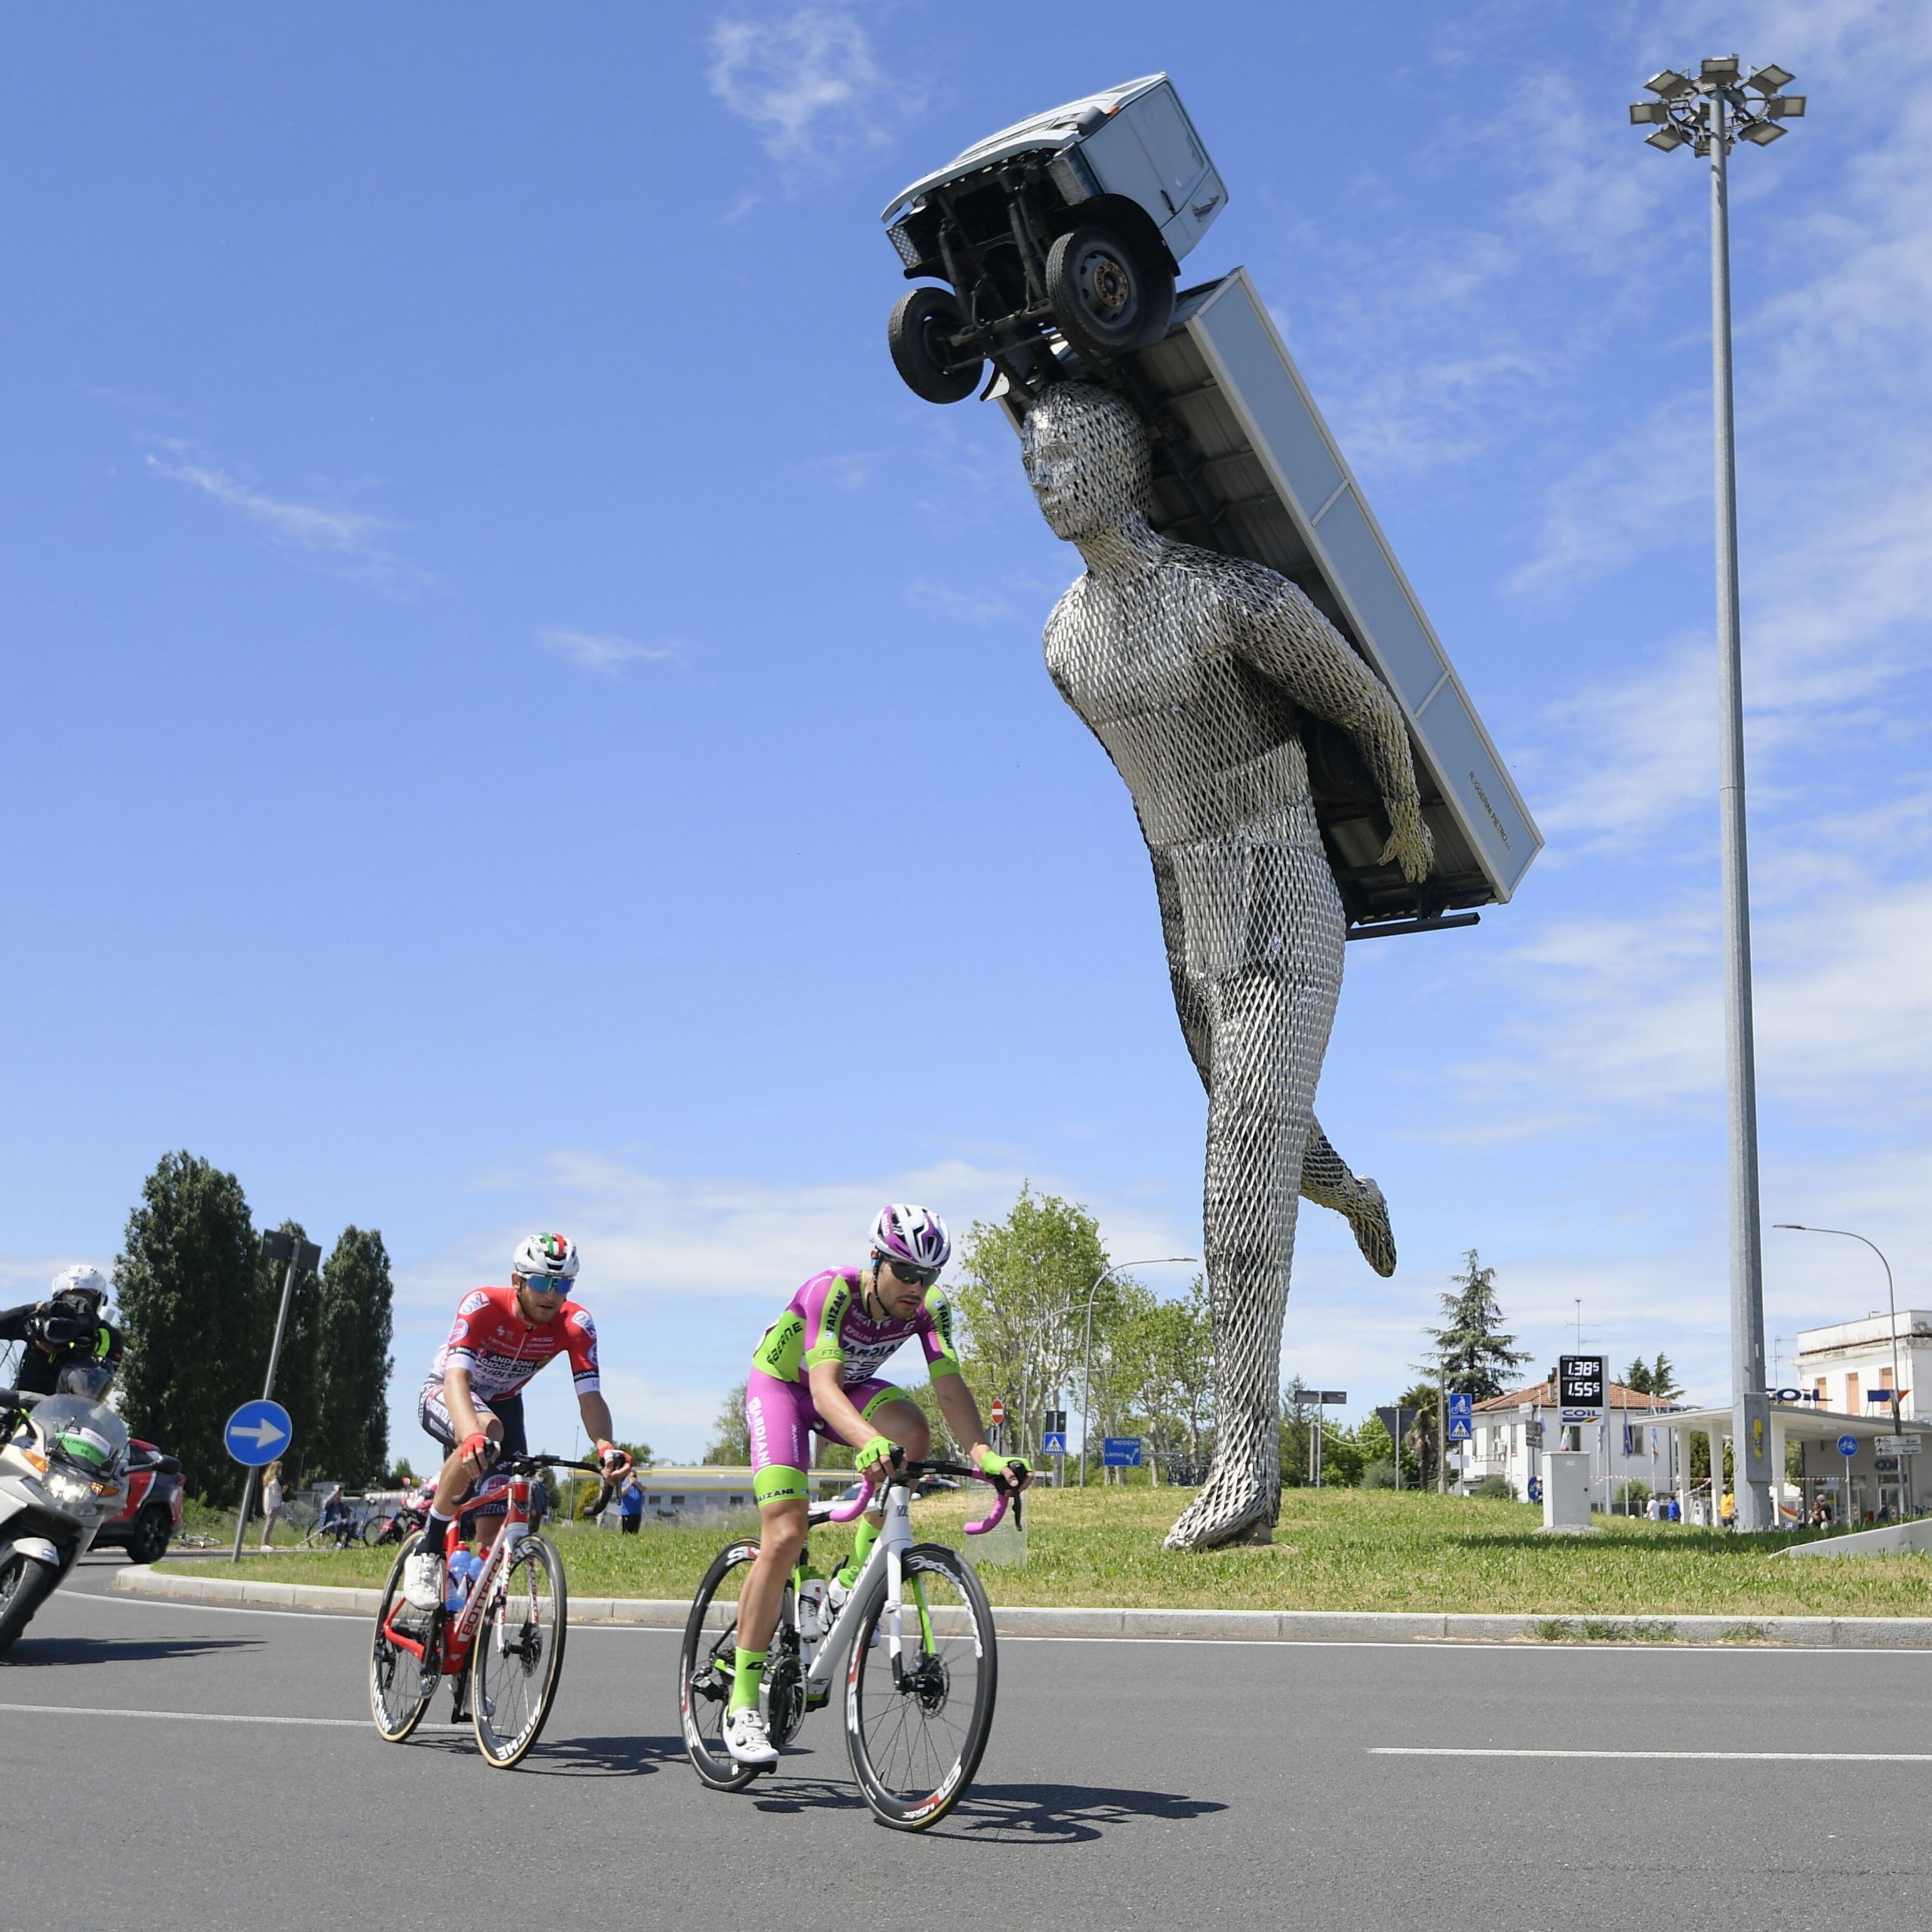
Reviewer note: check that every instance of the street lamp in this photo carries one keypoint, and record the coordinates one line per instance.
(1709, 112)
(1891, 1302)
(1087, 1349)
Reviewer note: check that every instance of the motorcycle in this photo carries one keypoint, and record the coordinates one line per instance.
(63, 1473)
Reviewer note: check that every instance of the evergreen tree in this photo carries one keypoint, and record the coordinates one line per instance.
(1474, 1353)
(353, 1327)
(189, 1288)
(1638, 1377)
(1663, 1378)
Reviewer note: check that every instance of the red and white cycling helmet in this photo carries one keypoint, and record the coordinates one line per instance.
(545, 1254)
(915, 1235)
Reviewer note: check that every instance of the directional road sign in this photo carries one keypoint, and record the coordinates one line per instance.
(1120, 1452)
(1900, 1445)
(1848, 1445)
(1054, 1442)
(257, 1432)
(1462, 1417)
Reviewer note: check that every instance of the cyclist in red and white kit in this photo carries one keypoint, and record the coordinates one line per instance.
(473, 1401)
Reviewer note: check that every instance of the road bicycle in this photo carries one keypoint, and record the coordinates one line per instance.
(924, 1662)
(507, 1628)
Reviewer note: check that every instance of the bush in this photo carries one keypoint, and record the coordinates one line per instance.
(1378, 1475)
(1632, 1496)
(1495, 1489)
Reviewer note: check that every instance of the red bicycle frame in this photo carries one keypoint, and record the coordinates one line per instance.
(457, 1636)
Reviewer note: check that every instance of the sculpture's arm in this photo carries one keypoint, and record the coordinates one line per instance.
(1284, 636)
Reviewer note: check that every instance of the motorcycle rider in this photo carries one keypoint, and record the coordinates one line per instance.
(68, 1329)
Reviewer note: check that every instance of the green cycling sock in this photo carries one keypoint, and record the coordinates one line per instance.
(746, 1675)
(862, 1548)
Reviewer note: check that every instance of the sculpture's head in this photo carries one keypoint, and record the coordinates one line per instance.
(1087, 458)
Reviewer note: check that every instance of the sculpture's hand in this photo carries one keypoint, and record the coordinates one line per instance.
(1410, 845)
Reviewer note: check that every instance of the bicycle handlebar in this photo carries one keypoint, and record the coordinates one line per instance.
(904, 1471)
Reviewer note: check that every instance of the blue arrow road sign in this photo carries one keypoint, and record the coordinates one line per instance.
(1848, 1445)
(1462, 1417)
(257, 1432)
(1120, 1452)
(1054, 1442)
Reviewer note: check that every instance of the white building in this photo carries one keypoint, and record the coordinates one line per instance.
(1630, 1444)
(1848, 1367)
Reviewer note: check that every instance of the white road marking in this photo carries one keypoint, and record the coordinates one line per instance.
(210, 1717)
(1740, 1757)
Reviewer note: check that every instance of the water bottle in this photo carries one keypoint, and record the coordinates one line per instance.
(465, 1567)
(812, 1618)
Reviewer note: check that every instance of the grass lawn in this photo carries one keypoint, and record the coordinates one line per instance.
(1334, 1549)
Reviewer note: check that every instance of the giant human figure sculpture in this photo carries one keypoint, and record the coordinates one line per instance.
(1190, 667)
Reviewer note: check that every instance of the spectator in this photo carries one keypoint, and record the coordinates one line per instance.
(1727, 1511)
(1676, 1510)
(1654, 1511)
(273, 1496)
(630, 1504)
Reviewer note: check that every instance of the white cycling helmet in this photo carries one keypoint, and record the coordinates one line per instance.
(915, 1235)
(81, 1280)
(545, 1254)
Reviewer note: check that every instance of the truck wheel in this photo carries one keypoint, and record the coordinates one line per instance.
(148, 1543)
(1106, 299)
(918, 333)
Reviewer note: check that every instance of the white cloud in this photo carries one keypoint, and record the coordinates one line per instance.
(606, 655)
(347, 541)
(808, 82)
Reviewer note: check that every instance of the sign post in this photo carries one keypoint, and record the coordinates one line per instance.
(1398, 1421)
(300, 1255)
(1847, 1448)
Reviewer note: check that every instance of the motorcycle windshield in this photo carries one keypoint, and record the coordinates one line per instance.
(88, 1437)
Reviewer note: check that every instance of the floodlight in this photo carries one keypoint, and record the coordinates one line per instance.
(1786, 107)
(1669, 83)
(1666, 138)
(1721, 68)
(1764, 132)
(1644, 112)
(1768, 79)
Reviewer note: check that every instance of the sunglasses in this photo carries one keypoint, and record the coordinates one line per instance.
(914, 1277)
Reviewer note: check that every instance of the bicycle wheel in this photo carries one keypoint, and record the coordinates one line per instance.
(519, 1653)
(705, 1661)
(400, 1687)
(915, 1743)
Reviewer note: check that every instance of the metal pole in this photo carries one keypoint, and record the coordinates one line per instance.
(1750, 1407)
(1441, 1423)
(267, 1390)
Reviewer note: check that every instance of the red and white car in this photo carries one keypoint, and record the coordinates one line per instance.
(148, 1524)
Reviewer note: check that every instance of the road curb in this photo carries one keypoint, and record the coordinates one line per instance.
(1306, 1626)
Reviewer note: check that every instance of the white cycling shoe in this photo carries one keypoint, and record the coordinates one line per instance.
(746, 1738)
(422, 1580)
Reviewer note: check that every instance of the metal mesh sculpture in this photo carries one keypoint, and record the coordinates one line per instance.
(1190, 668)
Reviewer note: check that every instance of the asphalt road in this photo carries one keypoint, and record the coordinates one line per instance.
(1177, 1785)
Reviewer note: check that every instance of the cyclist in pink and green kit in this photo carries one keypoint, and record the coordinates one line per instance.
(816, 1371)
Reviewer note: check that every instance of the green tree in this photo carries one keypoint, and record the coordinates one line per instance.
(355, 1324)
(189, 1288)
(1425, 1398)
(1167, 1355)
(731, 1438)
(1638, 1377)
(1022, 1297)
(1475, 1354)
(1664, 1383)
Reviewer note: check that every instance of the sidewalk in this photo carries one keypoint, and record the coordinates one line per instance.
(1304, 1626)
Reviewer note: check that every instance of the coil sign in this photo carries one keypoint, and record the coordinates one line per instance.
(1580, 1387)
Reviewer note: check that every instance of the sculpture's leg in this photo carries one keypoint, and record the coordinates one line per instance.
(1326, 1178)
(1270, 1025)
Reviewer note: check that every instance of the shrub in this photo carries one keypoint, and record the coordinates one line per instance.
(1495, 1489)
(1378, 1475)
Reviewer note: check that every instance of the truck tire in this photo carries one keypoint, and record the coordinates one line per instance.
(1107, 298)
(25, 1584)
(916, 333)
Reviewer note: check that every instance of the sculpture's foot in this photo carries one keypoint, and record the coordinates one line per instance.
(1224, 1512)
(1369, 1220)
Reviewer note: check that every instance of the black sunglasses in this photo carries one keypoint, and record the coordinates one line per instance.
(913, 1278)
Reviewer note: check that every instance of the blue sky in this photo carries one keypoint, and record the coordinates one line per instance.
(521, 720)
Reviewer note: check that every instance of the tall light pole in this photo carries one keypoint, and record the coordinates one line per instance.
(1087, 1348)
(1710, 113)
(1891, 1303)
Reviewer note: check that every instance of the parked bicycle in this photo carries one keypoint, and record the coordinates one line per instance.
(923, 1667)
(504, 1621)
